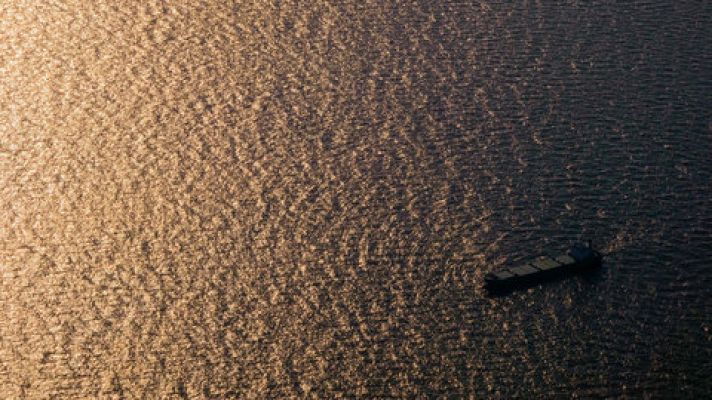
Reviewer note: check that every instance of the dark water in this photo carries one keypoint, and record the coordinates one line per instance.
(213, 200)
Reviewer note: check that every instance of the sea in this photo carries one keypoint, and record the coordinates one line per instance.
(300, 199)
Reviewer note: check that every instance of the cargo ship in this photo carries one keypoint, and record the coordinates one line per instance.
(579, 257)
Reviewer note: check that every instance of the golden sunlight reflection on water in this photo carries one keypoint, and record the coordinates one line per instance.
(282, 199)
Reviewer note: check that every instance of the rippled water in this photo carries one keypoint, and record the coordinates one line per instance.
(282, 199)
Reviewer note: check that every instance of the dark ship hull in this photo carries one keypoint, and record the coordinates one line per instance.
(578, 258)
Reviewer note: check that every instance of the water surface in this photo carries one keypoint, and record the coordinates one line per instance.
(281, 199)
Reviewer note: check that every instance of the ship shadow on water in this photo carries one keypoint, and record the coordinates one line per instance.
(589, 276)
